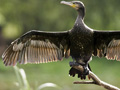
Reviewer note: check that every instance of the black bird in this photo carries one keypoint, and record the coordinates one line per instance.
(81, 42)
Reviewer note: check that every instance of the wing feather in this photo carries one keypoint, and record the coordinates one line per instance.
(107, 44)
(36, 47)
(113, 50)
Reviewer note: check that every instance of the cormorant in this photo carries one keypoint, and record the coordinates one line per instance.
(81, 43)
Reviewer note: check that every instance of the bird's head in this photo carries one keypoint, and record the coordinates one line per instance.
(78, 5)
(75, 4)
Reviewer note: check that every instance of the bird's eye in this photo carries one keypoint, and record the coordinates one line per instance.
(73, 2)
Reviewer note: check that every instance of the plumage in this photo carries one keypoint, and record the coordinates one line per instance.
(36, 47)
(108, 42)
(81, 42)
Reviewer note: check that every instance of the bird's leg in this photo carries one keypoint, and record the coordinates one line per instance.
(86, 70)
(85, 67)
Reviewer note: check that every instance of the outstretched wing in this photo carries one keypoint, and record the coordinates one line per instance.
(37, 47)
(107, 44)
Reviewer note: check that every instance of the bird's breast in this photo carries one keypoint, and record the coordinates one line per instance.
(81, 44)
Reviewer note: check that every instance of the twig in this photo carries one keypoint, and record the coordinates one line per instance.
(95, 79)
(84, 82)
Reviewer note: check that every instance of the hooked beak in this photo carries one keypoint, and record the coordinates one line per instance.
(68, 3)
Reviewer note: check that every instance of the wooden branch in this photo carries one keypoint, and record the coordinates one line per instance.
(84, 82)
(95, 79)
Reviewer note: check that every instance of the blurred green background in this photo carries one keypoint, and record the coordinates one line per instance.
(20, 16)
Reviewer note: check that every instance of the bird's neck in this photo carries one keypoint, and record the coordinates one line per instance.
(80, 18)
(79, 21)
(81, 12)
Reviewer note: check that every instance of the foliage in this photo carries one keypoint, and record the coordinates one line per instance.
(38, 74)
(24, 84)
(21, 76)
(50, 15)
